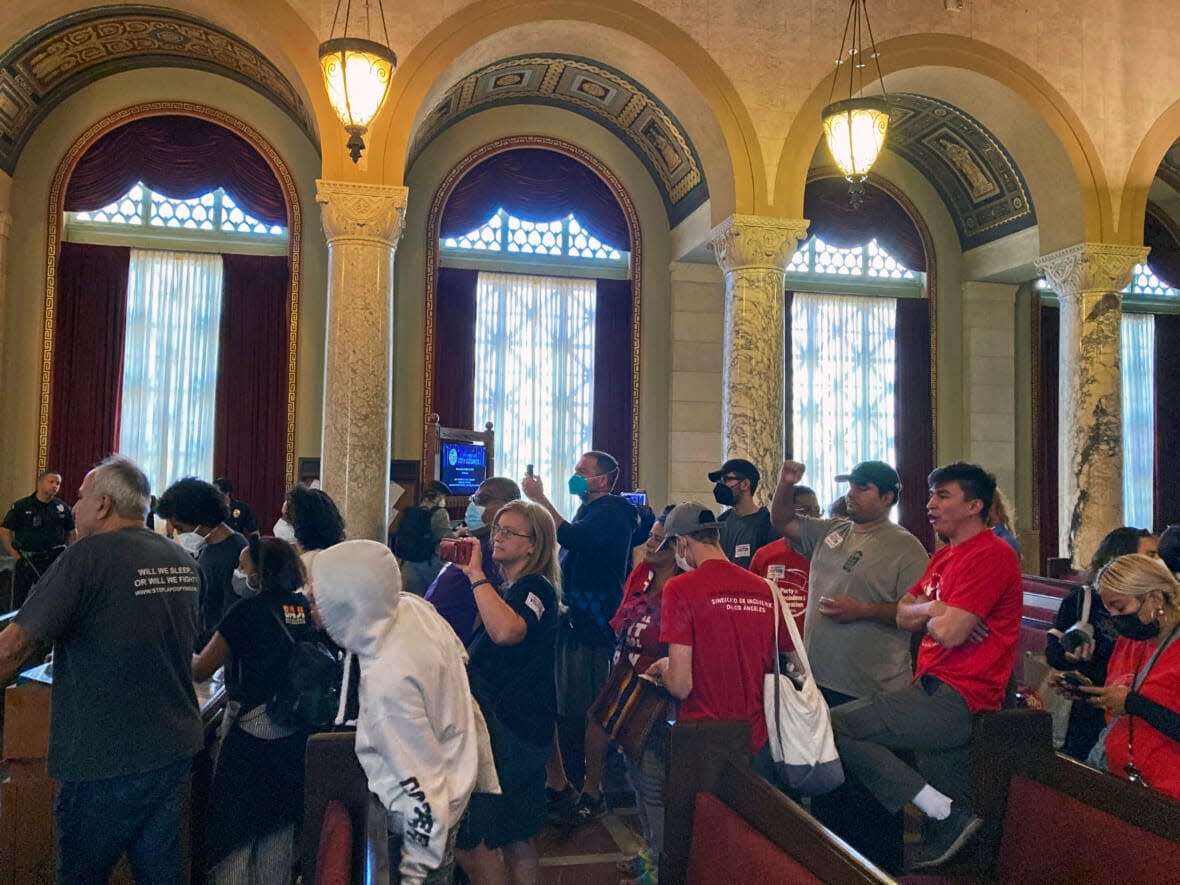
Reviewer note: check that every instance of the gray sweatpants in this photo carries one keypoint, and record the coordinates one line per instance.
(929, 718)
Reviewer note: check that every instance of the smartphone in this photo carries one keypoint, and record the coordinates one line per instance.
(454, 550)
(1073, 680)
(528, 470)
(637, 497)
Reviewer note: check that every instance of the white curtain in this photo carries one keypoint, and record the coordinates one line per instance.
(844, 368)
(534, 374)
(170, 364)
(1138, 360)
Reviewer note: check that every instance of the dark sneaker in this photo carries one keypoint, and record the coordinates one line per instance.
(562, 803)
(943, 839)
(587, 810)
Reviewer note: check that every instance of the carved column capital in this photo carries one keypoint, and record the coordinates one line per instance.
(754, 241)
(1090, 267)
(362, 212)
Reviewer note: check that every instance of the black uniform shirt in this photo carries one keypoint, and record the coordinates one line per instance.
(38, 526)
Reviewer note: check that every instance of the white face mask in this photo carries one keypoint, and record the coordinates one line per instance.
(192, 543)
(682, 563)
(284, 531)
(241, 584)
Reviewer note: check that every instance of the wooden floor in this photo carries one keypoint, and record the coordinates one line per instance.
(588, 855)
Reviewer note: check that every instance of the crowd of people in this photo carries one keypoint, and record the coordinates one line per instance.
(475, 661)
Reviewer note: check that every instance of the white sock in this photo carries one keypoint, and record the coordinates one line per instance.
(933, 803)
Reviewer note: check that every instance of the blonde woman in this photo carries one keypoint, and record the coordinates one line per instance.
(1143, 744)
(511, 669)
(1002, 523)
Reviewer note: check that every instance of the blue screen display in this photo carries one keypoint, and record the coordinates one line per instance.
(462, 466)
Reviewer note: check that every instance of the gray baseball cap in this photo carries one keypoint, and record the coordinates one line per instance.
(685, 519)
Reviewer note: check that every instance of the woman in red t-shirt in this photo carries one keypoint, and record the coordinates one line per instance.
(1143, 744)
(637, 625)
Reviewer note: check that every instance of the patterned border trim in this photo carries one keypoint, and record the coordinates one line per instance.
(55, 61)
(433, 229)
(54, 233)
(591, 90)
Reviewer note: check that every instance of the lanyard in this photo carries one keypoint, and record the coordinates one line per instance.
(1133, 774)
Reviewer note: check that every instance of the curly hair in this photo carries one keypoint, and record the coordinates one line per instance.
(315, 518)
(194, 502)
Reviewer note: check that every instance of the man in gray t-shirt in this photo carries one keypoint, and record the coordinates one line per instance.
(860, 568)
(120, 607)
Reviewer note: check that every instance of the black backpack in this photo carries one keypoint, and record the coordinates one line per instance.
(309, 695)
(414, 541)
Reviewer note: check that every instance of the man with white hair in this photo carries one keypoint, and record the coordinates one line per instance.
(120, 607)
(419, 734)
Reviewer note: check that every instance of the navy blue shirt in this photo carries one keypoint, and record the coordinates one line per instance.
(595, 560)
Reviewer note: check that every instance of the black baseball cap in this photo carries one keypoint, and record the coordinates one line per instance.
(876, 473)
(740, 466)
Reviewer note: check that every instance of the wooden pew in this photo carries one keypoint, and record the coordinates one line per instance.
(713, 757)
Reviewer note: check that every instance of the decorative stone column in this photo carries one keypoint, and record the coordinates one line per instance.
(753, 252)
(362, 223)
(1089, 279)
(5, 230)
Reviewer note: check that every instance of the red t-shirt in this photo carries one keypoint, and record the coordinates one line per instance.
(980, 576)
(723, 612)
(1156, 756)
(637, 621)
(788, 569)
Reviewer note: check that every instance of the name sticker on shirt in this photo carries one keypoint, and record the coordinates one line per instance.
(834, 539)
(741, 551)
(776, 572)
(534, 603)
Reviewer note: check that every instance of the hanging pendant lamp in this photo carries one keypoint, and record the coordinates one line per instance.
(356, 74)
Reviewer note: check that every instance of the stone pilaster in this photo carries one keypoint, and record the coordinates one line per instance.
(362, 224)
(753, 252)
(1088, 279)
(5, 230)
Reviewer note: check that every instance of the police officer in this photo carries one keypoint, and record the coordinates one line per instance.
(241, 517)
(35, 531)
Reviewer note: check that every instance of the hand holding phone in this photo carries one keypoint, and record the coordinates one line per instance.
(1072, 682)
(454, 550)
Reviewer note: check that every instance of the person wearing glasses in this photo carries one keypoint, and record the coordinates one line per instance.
(511, 673)
(745, 526)
(451, 593)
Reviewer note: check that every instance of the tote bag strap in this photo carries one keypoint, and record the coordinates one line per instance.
(792, 628)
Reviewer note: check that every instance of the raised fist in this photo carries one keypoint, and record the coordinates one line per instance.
(791, 473)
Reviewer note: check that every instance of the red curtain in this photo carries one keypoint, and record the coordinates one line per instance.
(613, 376)
(1047, 423)
(180, 157)
(1167, 421)
(453, 397)
(250, 444)
(87, 359)
(914, 415)
(536, 185)
(833, 220)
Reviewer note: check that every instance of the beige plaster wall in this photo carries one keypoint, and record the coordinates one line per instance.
(21, 368)
(410, 273)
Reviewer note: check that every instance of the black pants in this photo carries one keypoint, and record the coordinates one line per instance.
(29, 569)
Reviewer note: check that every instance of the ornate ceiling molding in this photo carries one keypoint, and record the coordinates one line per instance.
(594, 91)
(55, 61)
(976, 177)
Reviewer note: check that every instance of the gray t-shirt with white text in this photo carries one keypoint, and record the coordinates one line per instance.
(121, 611)
(864, 658)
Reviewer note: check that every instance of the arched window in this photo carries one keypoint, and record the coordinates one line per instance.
(535, 281)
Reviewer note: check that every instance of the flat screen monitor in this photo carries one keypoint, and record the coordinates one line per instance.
(462, 466)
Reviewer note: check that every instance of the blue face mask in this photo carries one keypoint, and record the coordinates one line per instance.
(578, 486)
(474, 516)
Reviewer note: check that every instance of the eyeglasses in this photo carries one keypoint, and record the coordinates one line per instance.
(501, 531)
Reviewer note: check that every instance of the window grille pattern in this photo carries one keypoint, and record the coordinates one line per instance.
(534, 374)
(1143, 282)
(214, 211)
(844, 363)
(505, 233)
(870, 260)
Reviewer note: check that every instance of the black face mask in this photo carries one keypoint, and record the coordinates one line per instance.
(1133, 628)
(723, 494)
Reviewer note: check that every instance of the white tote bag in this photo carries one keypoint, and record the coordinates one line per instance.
(797, 717)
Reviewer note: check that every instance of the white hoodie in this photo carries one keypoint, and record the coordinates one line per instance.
(417, 733)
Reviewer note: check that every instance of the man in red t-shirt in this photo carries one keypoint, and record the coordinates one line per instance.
(717, 620)
(784, 566)
(968, 601)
